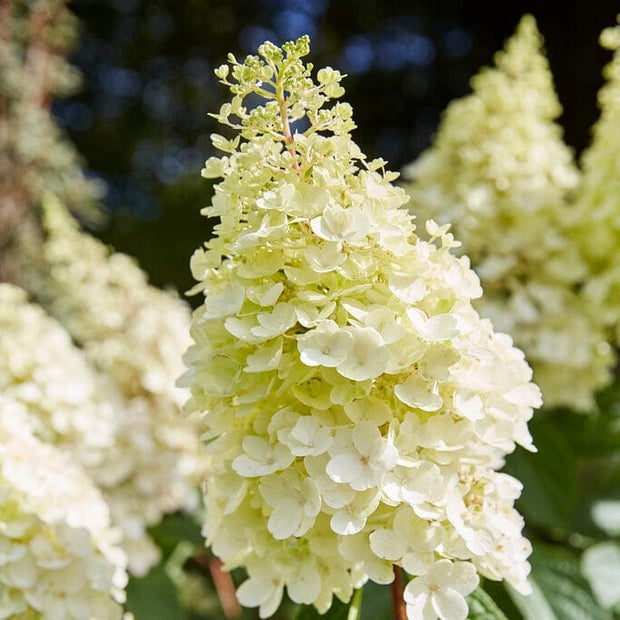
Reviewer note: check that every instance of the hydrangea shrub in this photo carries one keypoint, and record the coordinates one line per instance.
(134, 336)
(597, 227)
(499, 171)
(356, 407)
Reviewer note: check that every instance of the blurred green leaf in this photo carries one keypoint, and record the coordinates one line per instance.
(175, 528)
(552, 486)
(483, 607)
(560, 591)
(601, 566)
(154, 597)
(377, 602)
(498, 591)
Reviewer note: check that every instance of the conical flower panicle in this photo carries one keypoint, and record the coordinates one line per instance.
(500, 173)
(355, 405)
(134, 335)
(597, 230)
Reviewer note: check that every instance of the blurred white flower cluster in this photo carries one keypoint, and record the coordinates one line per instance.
(597, 227)
(136, 441)
(58, 557)
(355, 405)
(500, 172)
(89, 372)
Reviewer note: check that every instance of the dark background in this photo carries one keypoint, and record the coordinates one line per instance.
(141, 120)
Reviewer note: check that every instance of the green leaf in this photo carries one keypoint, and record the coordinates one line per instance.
(377, 602)
(483, 607)
(550, 479)
(601, 566)
(154, 597)
(560, 592)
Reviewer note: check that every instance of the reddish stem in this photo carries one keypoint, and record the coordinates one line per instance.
(398, 602)
(286, 128)
(225, 588)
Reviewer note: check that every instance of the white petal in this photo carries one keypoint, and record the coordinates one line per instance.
(368, 357)
(305, 587)
(448, 604)
(417, 393)
(386, 545)
(345, 523)
(285, 519)
(344, 468)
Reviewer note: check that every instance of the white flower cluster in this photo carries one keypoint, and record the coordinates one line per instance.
(500, 172)
(357, 408)
(69, 404)
(135, 336)
(598, 198)
(58, 560)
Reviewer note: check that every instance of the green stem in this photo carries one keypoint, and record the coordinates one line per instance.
(355, 609)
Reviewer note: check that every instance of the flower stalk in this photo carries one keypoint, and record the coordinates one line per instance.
(396, 590)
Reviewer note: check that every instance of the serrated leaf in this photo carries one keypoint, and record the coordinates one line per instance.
(483, 607)
(601, 567)
(560, 591)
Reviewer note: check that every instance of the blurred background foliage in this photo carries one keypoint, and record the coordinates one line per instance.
(140, 120)
(141, 123)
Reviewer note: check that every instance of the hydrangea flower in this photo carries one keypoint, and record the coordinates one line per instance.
(499, 171)
(134, 336)
(70, 405)
(349, 391)
(58, 559)
(597, 225)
